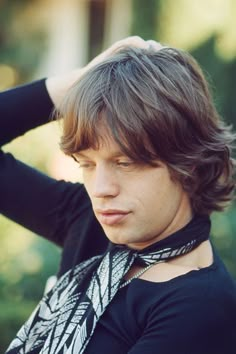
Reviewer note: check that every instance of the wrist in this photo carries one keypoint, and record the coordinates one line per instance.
(57, 86)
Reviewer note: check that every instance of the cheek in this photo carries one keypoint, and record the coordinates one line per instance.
(159, 194)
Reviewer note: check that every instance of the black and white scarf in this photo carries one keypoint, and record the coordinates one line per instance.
(66, 317)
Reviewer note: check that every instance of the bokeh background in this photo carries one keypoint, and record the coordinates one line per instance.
(45, 37)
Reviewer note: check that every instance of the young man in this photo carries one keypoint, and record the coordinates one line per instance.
(156, 162)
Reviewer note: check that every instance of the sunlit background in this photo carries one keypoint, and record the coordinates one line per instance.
(45, 37)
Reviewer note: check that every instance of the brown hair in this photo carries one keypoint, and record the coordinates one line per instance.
(157, 105)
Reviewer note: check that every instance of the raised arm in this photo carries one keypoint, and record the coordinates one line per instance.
(57, 210)
(28, 196)
(23, 108)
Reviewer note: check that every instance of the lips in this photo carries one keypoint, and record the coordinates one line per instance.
(111, 216)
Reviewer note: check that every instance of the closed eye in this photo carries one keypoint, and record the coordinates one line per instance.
(85, 164)
(124, 163)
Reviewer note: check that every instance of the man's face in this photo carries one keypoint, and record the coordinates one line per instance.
(135, 203)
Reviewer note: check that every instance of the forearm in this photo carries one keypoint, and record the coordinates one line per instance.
(23, 108)
(57, 210)
(26, 107)
(57, 86)
(27, 196)
(37, 201)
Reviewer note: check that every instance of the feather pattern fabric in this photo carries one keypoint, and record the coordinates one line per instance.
(66, 317)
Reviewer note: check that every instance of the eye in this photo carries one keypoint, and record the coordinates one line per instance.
(125, 163)
(85, 164)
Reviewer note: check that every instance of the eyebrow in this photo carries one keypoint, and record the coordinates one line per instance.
(79, 154)
(115, 154)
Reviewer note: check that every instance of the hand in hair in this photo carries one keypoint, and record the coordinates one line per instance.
(133, 41)
(57, 86)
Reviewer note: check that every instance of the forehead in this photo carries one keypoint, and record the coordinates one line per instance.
(104, 136)
(106, 145)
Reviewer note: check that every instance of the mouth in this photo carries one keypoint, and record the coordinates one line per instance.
(111, 216)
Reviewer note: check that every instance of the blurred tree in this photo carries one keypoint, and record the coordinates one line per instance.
(97, 13)
(20, 36)
(221, 74)
(145, 21)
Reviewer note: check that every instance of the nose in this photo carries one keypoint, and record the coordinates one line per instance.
(105, 183)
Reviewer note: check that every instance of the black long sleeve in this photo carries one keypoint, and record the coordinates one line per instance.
(57, 210)
(191, 313)
(23, 108)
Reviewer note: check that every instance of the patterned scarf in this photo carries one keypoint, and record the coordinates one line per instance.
(66, 317)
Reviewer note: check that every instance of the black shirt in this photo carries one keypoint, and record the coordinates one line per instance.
(194, 313)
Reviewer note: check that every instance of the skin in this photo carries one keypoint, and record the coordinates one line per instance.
(154, 206)
(157, 205)
(135, 203)
(57, 86)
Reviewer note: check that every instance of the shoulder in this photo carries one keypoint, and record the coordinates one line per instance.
(194, 313)
(196, 299)
(183, 316)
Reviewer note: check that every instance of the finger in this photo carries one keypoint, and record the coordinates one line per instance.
(154, 44)
(133, 41)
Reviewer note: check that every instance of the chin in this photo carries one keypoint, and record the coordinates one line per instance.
(117, 238)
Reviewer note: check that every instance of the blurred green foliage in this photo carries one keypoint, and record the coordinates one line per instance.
(12, 318)
(24, 272)
(145, 19)
(27, 261)
(20, 37)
